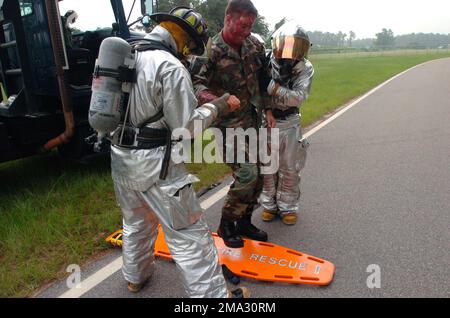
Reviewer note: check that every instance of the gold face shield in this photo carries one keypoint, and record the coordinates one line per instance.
(290, 47)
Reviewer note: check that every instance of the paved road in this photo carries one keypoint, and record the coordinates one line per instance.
(376, 190)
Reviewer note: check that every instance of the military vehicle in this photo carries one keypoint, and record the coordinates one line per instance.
(48, 50)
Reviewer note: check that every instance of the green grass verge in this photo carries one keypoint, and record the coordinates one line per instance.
(55, 213)
(52, 213)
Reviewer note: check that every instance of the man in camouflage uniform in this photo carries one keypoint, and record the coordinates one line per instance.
(236, 63)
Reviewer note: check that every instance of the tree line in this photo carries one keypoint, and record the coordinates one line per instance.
(214, 10)
(383, 40)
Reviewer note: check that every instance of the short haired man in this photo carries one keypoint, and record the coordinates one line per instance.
(235, 65)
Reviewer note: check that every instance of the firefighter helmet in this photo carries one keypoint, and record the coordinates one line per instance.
(290, 42)
(191, 21)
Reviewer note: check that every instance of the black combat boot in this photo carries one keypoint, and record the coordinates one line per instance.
(245, 228)
(227, 231)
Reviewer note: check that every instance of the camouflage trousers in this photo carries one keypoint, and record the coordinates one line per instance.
(243, 196)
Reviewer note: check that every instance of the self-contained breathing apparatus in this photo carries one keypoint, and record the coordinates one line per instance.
(113, 78)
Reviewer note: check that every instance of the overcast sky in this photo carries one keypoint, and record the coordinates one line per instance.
(364, 17)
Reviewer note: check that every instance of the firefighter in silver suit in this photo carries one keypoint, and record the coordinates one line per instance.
(292, 75)
(161, 101)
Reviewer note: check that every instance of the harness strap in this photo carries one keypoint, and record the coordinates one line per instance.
(143, 45)
(283, 115)
(144, 137)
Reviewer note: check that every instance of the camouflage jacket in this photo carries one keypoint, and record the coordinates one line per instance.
(243, 75)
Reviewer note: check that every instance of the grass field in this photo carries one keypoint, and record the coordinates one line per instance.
(55, 213)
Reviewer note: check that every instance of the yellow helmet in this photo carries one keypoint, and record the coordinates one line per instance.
(191, 21)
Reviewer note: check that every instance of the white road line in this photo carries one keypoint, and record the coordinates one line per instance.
(110, 269)
(214, 198)
(345, 109)
(94, 279)
(116, 265)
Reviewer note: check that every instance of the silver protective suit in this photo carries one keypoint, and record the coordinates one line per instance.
(145, 200)
(281, 192)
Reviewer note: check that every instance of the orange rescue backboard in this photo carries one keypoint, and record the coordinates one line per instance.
(259, 260)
